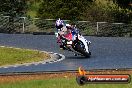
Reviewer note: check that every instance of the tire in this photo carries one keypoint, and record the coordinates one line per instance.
(86, 54)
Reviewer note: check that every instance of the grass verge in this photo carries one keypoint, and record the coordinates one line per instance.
(59, 83)
(10, 56)
(62, 80)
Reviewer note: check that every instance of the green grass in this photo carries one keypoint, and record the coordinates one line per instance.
(9, 56)
(59, 83)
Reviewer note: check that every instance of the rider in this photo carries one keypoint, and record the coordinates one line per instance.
(65, 30)
(60, 31)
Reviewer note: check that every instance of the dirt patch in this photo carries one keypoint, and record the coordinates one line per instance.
(43, 76)
(46, 76)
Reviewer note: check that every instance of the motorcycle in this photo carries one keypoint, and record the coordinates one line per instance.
(78, 44)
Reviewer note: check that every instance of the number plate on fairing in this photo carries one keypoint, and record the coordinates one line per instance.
(69, 43)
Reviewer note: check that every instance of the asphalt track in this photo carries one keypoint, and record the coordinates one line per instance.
(107, 53)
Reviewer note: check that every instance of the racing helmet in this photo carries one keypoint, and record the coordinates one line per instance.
(59, 24)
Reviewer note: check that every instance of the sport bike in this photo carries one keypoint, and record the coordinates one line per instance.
(78, 44)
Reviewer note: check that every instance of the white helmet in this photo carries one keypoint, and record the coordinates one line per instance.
(59, 24)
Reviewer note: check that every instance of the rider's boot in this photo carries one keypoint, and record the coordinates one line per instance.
(62, 47)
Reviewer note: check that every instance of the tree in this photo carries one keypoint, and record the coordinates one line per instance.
(124, 3)
(65, 9)
(13, 7)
